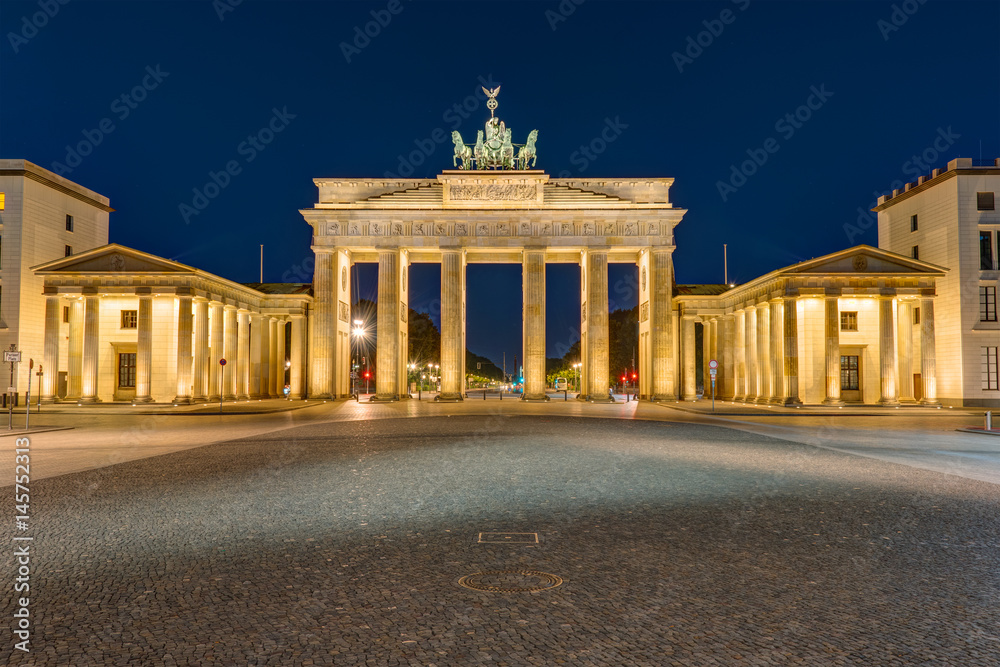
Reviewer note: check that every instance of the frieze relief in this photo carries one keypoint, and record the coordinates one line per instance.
(344, 313)
(492, 192)
(644, 311)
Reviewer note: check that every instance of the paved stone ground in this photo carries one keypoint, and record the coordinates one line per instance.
(679, 544)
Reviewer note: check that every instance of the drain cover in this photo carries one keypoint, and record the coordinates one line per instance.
(510, 581)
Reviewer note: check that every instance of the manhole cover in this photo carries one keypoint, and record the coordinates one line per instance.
(510, 581)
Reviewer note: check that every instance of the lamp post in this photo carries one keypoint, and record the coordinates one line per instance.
(576, 367)
(359, 333)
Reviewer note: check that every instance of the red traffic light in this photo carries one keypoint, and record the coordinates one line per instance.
(634, 376)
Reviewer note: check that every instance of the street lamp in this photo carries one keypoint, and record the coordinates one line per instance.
(577, 368)
(359, 334)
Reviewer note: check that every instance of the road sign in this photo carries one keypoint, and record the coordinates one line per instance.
(222, 362)
(713, 364)
(11, 357)
(479, 365)
(712, 371)
(354, 375)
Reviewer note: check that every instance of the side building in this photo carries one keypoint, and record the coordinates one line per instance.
(949, 218)
(43, 217)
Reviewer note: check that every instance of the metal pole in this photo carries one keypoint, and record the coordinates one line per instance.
(27, 402)
(261, 262)
(713, 394)
(725, 263)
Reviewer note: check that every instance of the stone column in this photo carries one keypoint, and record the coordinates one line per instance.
(832, 327)
(144, 351)
(53, 320)
(185, 318)
(256, 346)
(740, 361)
(452, 349)
(229, 354)
(727, 366)
(243, 356)
(928, 358)
(74, 381)
(281, 357)
(324, 328)
(533, 288)
(777, 352)
(750, 330)
(904, 325)
(200, 349)
(274, 356)
(887, 350)
(265, 356)
(595, 325)
(663, 387)
(91, 349)
(387, 350)
(712, 352)
(215, 388)
(763, 353)
(791, 352)
(689, 389)
(297, 371)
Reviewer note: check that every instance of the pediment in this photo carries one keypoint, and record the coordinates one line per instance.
(113, 258)
(865, 260)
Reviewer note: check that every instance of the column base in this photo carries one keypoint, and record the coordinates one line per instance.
(662, 397)
(385, 398)
(449, 398)
(689, 397)
(790, 402)
(596, 399)
(49, 401)
(296, 397)
(89, 400)
(319, 397)
(230, 397)
(888, 402)
(537, 398)
(199, 399)
(836, 402)
(929, 402)
(142, 399)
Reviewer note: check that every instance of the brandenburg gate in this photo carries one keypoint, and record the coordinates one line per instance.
(491, 210)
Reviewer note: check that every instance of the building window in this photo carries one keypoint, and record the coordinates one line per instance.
(126, 370)
(849, 379)
(130, 319)
(913, 222)
(69, 250)
(987, 303)
(916, 315)
(985, 251)
(989, 368)
(849, 321)
(69, 223)
(66, 314)
(915, 252)
(984, 201)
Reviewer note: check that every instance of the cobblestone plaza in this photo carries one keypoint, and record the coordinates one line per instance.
(675, 542)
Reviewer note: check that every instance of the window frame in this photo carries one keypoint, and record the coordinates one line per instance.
(987, 303)
(129, 319)
(913, 222)
(69, 222)
(985, 201)
(989, 367)
(130, 369)
(845, 320)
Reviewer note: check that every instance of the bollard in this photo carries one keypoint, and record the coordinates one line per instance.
(484, 394)
(989, 420)
(565, 394)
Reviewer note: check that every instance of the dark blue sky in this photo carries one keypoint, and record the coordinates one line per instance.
(895, 80)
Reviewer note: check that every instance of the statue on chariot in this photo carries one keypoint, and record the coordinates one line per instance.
(494, 147)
